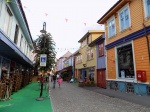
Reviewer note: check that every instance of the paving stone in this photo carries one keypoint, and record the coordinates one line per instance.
(70, 98)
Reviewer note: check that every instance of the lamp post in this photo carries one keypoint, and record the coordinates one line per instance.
(42, 62)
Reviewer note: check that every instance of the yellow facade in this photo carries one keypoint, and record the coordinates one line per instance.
(85, 62)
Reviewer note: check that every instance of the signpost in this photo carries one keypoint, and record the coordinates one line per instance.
(43, 59)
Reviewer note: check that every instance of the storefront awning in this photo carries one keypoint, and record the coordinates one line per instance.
(9, 50)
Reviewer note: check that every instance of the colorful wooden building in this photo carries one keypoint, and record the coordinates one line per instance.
(85, 63)
(100, 57)
(60, 62)
(127, 26)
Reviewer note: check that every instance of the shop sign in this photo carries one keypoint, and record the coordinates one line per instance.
(43, 59)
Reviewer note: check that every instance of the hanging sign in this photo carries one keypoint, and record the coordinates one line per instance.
(43, 59)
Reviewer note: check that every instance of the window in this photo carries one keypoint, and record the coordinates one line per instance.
(147, 8)
(27, 50)
(16, 34)
(111, 27)
(124, 18)
(125, 62)
(7, 21)
(21, 42)
(101, 49)
(25, 46)
(79, 59)
(90, 54)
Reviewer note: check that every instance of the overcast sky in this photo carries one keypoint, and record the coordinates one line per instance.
(67, 20)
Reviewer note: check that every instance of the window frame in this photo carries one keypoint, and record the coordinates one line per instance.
(101, 52)
(21, 41)
(89, 54)
(117, 62)
(146, 9)
(16, 34)
(7, 22)
(110, 20)
(122, 10)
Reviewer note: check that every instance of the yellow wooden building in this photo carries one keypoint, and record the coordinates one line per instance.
(85, 61)
(127, 26)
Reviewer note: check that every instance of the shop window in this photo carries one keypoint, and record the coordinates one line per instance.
(16, 34)
(125, 62)
(101, 49)
(5, 67)
(0, 66)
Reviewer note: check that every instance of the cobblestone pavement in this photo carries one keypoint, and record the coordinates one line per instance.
(70, 98)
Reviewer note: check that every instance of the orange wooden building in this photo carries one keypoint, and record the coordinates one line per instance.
(127, 26)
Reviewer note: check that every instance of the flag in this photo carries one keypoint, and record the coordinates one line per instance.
(66, 19)
(46, 14)
(7, 0)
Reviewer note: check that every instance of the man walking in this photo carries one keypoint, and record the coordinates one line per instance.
(54, 80)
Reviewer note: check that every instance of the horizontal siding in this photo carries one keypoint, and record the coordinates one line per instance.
(101, 62)
(137, 20)
(141, 56)
(111, 67)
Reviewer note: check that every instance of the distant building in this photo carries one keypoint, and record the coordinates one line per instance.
(85, 58)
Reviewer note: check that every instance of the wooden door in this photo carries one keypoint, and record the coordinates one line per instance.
(101, 78)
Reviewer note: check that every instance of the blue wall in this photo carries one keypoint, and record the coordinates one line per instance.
(101, 63)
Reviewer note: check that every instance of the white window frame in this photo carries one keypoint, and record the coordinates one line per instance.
(110, 20)
(7, 22)
(145, 9)
(122, 10)
(116, 62)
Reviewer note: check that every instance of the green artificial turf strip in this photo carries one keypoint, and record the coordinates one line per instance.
(24, 100)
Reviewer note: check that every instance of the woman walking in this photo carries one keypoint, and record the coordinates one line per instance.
(59, 80)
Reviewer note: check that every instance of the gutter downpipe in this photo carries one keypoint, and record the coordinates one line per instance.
(147, 41)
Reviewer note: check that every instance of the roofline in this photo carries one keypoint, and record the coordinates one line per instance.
(112, 10)
(109, 10)
(24, 16)
(100, 38)
(89, 32)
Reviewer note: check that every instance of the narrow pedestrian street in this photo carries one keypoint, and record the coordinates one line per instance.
(71, 98)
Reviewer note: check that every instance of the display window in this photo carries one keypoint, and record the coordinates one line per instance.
(125, 61)
(0, 66)
(91, 74)
(5, 67)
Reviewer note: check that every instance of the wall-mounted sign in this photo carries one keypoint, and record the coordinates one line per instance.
(43, 59)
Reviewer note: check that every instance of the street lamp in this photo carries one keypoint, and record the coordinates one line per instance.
(42, 62)
(44, 28)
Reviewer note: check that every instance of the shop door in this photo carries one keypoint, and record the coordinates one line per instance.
(101, 78)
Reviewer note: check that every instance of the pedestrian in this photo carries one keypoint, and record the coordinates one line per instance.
(59, 80)
(58, 75)
(54, 80)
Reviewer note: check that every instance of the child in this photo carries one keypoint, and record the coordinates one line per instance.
(59, 80)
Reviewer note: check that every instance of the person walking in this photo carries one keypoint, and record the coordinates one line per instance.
(59, 80)
(54, 80)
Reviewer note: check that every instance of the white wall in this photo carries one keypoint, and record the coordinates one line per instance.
(12, 26)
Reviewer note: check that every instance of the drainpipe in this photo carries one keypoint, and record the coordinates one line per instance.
(147, 41)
